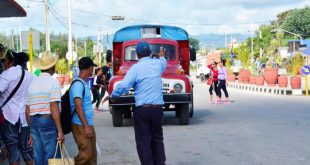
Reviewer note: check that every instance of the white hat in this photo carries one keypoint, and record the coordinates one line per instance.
(46, 61)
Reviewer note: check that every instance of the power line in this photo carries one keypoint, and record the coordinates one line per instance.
(35, 0)
(55, 15)
(165, 22)
(74, 23)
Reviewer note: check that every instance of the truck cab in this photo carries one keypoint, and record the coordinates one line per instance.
(177, 87)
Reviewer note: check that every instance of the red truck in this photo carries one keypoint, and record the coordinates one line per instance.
(177, 85)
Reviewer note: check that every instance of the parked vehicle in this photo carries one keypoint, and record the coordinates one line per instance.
(201, 69)
(177, 85)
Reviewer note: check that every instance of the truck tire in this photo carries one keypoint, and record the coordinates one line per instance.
(184, 114)
(117, 118)
(177, 113)
(127, 114)
(202, 77)
(191, 106)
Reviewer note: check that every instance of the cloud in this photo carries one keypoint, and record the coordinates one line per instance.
(197, 17)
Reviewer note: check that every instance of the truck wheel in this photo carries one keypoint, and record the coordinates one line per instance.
(177, 113)
(202, 77)
(127, 114)
(117, 117)
(191, 106)
(184, 114)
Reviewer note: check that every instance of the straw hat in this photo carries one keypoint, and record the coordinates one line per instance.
(46, 61)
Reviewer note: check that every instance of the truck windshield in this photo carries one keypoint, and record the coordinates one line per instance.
(131, 55)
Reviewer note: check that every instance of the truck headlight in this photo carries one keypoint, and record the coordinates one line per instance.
(178, 87)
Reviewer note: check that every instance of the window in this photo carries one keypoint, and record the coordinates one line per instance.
(170, 54)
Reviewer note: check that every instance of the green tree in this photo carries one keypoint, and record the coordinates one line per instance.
(194, 43)
(59, 44)
(62, 66)
(281, 17)
(4, 40)
(243, 52)
(298, 21)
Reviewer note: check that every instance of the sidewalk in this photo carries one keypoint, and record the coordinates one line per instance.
(271, 89)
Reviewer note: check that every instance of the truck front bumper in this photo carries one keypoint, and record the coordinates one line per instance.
(171, 98)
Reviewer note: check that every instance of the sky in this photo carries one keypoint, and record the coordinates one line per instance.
(93, 17)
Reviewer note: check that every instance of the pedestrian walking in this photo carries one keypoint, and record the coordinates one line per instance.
(107, 73)
(83, 115)
(145, 78)
(14, 83)
(214, 76)
(222, 74)
(43, 110)
(95, 89)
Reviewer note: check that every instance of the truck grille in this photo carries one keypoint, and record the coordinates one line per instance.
(166, 87)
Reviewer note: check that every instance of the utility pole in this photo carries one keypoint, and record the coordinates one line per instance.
(47, 34)
(252, 44)
(12, 39)
(70, 31)
(76, 44)
(231, 43)
(17, 42)
(225, 41)
(20, 36)
(85, 49)
(99, 46)
(260, 47)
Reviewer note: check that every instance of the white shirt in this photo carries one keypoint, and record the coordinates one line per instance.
(15, 108)
(41, 92)
(95, 80)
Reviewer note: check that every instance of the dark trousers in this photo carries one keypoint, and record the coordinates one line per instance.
(96, 97)
(15, 138)
(222, 85)
(148, 123)
(103, 89)
(213, 86)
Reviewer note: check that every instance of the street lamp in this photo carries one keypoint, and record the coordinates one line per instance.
(279, 29)
(118, 18)
(252, 43)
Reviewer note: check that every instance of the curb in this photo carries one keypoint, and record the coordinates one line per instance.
(268, 90)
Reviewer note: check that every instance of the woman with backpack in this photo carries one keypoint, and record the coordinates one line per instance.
(214, 83)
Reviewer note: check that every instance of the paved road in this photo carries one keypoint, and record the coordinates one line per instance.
(257, 129)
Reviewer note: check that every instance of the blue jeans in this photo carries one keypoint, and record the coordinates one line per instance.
(44, 137)
(15, 138)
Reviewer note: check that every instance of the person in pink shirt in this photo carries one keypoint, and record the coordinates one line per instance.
(214, 74)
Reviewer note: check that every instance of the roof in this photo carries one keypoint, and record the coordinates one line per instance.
(306, 52)
(135, 33)
(307, 42)
(10, 8)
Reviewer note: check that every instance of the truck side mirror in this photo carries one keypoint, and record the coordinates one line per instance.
(109, 56)
(192, 52)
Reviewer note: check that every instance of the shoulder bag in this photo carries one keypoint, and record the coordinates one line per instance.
(10, 96)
